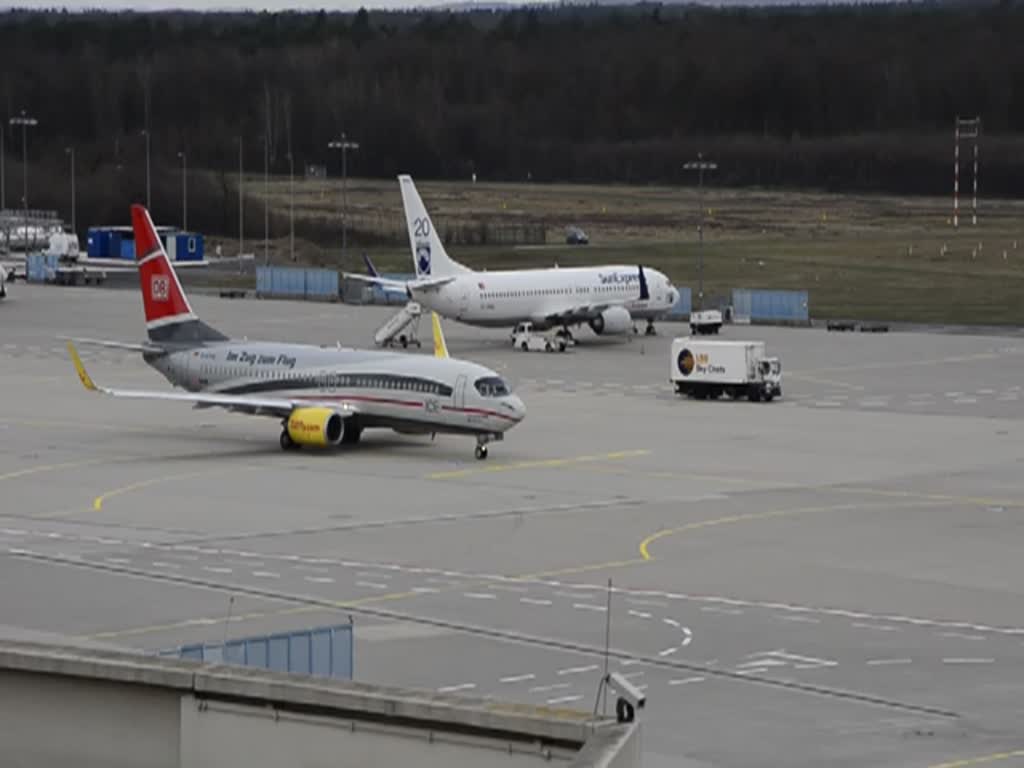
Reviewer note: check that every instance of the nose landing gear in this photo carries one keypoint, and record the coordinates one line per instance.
(481, 445)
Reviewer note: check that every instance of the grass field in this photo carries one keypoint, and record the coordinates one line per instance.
(859, 256)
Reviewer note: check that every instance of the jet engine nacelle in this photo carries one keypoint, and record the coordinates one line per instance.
(319, 427)
(612, 320)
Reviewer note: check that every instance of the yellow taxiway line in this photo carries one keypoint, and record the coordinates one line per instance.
(538, 464)
(994, 758)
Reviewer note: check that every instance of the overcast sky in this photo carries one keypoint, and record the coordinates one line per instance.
(329, 5)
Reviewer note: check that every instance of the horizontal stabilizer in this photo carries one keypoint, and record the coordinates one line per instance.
(131, 347)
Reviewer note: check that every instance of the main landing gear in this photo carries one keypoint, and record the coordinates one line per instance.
(287, 444)
(650, 331)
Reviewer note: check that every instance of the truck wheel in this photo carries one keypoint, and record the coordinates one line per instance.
(547, 346)
(754, 396)
(523, 346)
(768, 397)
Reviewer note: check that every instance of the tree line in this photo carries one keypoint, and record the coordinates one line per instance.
(842, 98)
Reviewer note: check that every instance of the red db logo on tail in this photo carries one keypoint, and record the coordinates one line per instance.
(160, 288)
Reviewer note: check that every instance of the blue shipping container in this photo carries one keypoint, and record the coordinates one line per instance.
(35, 268)
(188, 246)
(297, 283)
(127, 247)
(771, 306)
(97, 243)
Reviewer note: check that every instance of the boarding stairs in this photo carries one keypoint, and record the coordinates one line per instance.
(402, 328)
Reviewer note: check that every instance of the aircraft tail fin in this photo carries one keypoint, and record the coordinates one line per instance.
(428, 254)
(440, 347)
(370, 269)
(645, 293)
(169, 316)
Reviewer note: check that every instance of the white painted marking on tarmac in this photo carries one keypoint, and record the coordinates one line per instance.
(371, 585)
(803, 619)
(480, 595)
(216, 569)
(967, 661)
(565, 699)
(761, 663)
(13, 531)
(639, 614)
(687, 680)
(878, 627)
(577, 670)
(161, 564)
(668, 651)
(631, 675)
(177, 547)
(985, 392)
(687, 637)
(534, 601)
(110, 541)
(454, 688)
(654, 603)
(961, 635)
(631, 662)
(374, 575)
(716, 609)
(954, 394)
(117, 560)
(54, 535)
(507, 588)
(827, 404)
(266, 575)
(426, 590)
(965, 400)
(589, 607)
(671, 622)
(320, 579)
(517, 678)
(553, 687)
(886, 662)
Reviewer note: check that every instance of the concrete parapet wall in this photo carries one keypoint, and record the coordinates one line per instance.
(85, 707)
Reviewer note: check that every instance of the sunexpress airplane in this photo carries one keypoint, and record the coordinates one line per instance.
(323, 396)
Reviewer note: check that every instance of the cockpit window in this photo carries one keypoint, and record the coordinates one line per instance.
(491, 386)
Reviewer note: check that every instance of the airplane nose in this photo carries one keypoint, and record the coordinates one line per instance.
(517, 406)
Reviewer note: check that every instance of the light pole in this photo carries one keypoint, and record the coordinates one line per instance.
(291, 206)
(146, 134)
(344, 145)
(241, 207)
(266, 200)
(184, 191)
(3, 172)
(74, 222)
(25, 122)
(700, 165)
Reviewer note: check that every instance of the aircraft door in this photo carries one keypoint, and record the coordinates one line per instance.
(460, 392)
(464, 298)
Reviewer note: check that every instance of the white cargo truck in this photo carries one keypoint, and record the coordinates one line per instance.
(705, 322)
(710, 369)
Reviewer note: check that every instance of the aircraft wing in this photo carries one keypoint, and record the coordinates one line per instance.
(424, 284)
(264, 406)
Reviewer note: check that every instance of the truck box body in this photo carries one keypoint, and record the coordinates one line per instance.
(719, 362)
(709, 369)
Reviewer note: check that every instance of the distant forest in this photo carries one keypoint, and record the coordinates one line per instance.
(842, 98)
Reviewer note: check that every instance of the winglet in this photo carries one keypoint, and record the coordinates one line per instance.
(645, 294)
(83, 375)
(440, 348)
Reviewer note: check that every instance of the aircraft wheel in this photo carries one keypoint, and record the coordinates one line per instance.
(480, 452)
(287, 444)
(523, 346)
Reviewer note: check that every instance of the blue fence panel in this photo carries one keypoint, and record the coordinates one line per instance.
(683, 305)
(35, 268)
(321, 642)
(323, 651)
(188, 246)
(321, 283)
(770, 306)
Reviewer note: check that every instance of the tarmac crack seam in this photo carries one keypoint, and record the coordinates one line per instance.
(361, 607)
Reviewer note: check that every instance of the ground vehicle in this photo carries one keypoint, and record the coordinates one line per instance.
(707, 321)
(709, 369)
(528, 340)
(576, 236)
